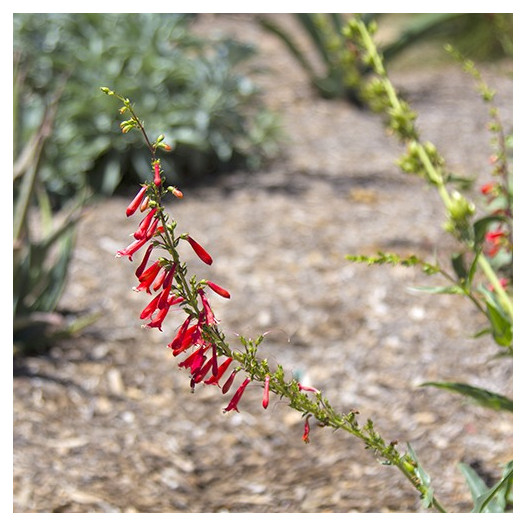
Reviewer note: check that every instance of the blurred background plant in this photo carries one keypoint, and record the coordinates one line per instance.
(42, 241)
(62, 145)
(333, 67)
(192, 85)
(481, 266)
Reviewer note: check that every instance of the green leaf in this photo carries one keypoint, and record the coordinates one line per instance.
(473, 269)
(281, 33)
(452, 289)
(457, 261)
(480, 396)
(477, 486)
(425, 479)
(488, 500)
(501, 325)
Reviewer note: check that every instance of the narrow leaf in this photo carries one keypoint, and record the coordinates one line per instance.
(425, 479)
(476, 485)
(452, 289)
(499, 491)
(457, 261)
(480, 396)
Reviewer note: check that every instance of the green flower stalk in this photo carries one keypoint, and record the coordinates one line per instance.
(207, 355)
(422, 158)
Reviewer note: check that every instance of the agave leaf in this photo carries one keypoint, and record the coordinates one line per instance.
(421, 26)
(289, 42)
(308, 23)
(55, 279)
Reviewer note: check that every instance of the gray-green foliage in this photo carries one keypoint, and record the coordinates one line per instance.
(190, 89)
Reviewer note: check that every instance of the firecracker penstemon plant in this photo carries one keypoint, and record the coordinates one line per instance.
(200, 345)
(199, 342)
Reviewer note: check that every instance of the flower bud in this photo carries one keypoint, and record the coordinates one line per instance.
(176, 192)
(266, 392)
(165, 147)
(460, 208)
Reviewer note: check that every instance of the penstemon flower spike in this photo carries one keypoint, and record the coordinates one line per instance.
(200, 336)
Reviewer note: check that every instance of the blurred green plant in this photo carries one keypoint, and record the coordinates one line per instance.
(211, 110)
(332, 63)
(340, 75)
(482, 269)
(42, 244)
(498, 498)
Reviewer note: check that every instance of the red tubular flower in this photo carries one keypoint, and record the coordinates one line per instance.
(230, 380)
(189, 360)
(209, 315)
(305, 388)
(154, 229)
(152, 270)
(150, 308)
(147, 277)
(237, 396)
(196, 360)
(187, 336)
(131, 249)
(157, 173)
(141, 232)
(306, 431)
(266, 392)
(200, 251)
(202, 372)
(174, 300)
(163, 299)
(158, 320)
(132, 207)
(218, 290)
(215, 370)
(186, 342)
(495, 241)
(487, 188)
(169, 277)
(180, 333)
(159, 280)
(144, 262)
(214, 380)
(165, 279)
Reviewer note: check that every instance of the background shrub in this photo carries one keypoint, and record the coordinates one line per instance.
(190, 84)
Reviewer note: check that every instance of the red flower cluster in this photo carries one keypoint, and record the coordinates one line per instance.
(157, 277)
